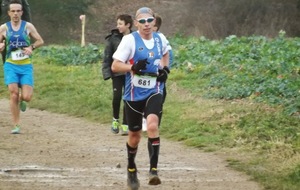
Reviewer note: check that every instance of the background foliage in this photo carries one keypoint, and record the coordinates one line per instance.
(58, 21)
(258, 68)
(71, 55)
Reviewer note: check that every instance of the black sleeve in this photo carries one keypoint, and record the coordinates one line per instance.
(26, 11)
(3, 13)
(1, 10)
(107, 60)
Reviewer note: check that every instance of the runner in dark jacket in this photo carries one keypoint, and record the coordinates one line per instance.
(113, 41)
(124, 24)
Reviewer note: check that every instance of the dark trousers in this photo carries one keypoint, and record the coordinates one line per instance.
(118, 84)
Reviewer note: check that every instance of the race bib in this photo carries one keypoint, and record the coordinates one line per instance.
(18, 55)
(144, 81)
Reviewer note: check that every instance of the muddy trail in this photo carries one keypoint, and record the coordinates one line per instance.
(56, 151)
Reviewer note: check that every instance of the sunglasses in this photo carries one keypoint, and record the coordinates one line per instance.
(144, 20)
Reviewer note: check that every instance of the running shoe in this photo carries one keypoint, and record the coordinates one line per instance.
(132, 181)
(115, 126)
(153, 177)
(23, 106)
(16, 130)
(124, 130)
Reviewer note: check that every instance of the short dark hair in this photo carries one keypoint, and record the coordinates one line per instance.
(127, 19)
(15, 2)
(158, 21)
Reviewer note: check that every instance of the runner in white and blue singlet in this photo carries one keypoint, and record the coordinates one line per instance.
(144, 56)
(137, 92)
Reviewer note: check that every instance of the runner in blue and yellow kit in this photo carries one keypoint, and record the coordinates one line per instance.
(144, 56)
(18, 69)
(26, 15)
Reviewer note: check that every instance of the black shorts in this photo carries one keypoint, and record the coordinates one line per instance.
(136, 110)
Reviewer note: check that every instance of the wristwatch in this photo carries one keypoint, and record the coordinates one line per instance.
(32, 46)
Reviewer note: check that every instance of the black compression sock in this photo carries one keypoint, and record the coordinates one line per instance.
(153, 148)
(131, 152)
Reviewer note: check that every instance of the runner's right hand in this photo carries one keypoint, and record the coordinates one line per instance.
(139, 65)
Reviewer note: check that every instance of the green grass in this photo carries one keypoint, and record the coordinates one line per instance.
(256, 137)
(73, 90)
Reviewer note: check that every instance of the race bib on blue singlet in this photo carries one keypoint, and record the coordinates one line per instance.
(18, 55)
(144, 81)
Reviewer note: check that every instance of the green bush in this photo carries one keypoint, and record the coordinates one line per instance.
(70, 55)
(262, 69)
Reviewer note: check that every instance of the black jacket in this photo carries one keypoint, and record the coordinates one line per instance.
(113, 41)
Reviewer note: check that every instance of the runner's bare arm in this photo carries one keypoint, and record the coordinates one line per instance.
(119, 66)
(2, 37)
(35, 35)
(165, 60)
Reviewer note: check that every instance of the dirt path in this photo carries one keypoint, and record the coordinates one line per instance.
(66, 153)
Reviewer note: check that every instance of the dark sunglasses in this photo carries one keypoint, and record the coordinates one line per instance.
(144, 20)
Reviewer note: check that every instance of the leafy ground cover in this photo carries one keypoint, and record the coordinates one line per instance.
(265, 70)
(258, 68)
(70, 55)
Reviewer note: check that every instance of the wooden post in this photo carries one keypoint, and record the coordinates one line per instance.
(82, 18)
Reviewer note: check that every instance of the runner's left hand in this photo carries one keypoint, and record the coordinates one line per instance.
(163, 74)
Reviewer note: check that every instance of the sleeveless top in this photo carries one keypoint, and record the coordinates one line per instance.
(15, 42)
(140, 87)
